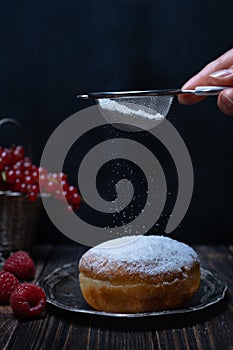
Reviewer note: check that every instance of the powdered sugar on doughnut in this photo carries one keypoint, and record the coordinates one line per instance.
(118, 242)
(151, 255)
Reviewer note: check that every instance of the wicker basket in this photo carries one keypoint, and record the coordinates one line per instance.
(18, 216)
(18, 222)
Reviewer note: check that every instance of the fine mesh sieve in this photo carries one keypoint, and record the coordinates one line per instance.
(135, 111)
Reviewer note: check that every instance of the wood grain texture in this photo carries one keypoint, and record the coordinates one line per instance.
(209, 329)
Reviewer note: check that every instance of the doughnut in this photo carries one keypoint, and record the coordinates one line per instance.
(139, 274)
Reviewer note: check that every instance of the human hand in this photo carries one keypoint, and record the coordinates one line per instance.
(218, 72)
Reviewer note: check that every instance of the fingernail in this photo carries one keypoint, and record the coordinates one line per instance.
(224, 73)
(228, 103)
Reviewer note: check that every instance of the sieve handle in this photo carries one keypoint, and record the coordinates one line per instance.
(209, 90)
(199, 90)
(130, 93)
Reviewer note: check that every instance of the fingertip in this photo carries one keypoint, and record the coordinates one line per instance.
(184, 100)
(189, 99)
(191, 84)
(225, 101)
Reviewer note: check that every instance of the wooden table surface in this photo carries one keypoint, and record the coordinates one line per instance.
(211, 328)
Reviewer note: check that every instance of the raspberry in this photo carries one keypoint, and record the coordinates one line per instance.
(8, 282)
(28, 301)
(21, 265)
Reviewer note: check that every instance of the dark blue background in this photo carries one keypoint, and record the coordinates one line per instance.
(52, 50)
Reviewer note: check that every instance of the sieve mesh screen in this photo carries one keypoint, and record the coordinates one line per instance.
(135, 113)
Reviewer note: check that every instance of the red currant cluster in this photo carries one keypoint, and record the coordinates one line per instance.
(19, 174)
(58, 186)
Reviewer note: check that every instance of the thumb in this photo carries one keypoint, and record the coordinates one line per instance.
(225, 101)
(222, 77)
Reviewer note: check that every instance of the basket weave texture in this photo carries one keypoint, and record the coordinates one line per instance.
(18, 222)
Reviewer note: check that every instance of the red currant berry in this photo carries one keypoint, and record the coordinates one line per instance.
(28, 180)
(64, 185)
(35, 176)
(26, 173)
(69, 208)
(75, 198)
(18, 165)
(35, 188)
(23, 188)
(5, 155)
(17, 185)
(42, 171)
(32, 196)
(18, 154)
(50, 186)
(62, 177)
(29, 188)
(18, 174)
(72, 190)
(43, 180)
(55, 176)
(27, 163)
(58, 194)
(1, 164)
(10, 176)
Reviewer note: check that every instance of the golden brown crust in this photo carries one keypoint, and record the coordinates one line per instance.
(119, 285)
(141, 296)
